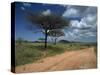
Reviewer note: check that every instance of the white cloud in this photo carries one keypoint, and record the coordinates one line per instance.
(27, 4)
(74, 11)
(75, 23)
(90, 19)
(22, 8)
(79, 24)
(90, 10)
(83, 29)
(76, 30)
(79, 11)
(86, 27)
(47, 12)
(90, 34)
(71, 12)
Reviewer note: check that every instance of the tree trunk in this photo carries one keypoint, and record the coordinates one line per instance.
(55, 41)
(52, 40)
(46, 35)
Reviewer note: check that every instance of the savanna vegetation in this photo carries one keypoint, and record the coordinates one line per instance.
(28, 52)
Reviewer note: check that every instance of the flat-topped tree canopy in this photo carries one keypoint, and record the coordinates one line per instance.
(56, 33)
(48, 22)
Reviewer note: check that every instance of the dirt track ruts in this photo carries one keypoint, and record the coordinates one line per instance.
(69, 60)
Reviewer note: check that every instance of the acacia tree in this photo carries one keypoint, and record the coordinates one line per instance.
(55, 34)
(47, 22)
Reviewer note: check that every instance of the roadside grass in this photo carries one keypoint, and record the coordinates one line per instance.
(31, 52)
(95, 49)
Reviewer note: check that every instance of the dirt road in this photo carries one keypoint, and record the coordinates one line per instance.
(70, 60)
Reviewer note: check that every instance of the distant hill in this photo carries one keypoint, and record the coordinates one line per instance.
(64, 41)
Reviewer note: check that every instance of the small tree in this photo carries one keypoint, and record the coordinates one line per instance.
(56, 34)
(41, 39)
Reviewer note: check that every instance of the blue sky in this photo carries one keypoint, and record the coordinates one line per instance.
(83, 21)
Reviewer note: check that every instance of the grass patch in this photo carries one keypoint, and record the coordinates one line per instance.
(95, 49)
(31, 52)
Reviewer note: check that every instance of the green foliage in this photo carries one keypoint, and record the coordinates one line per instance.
(56, 33)
(48, 22)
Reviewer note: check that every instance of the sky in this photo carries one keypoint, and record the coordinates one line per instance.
(83, 21)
